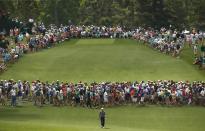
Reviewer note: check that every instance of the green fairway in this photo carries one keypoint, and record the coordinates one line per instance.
(30, 118)
(91, 60)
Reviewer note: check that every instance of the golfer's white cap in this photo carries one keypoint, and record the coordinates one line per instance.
(102, 108)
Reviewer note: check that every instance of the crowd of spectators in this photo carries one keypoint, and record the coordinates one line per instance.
(18, 43)
(100, 32)
(172, 41)
(93, 95)
(166, 41)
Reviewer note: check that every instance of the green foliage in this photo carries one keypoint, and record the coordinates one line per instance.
(155, 13)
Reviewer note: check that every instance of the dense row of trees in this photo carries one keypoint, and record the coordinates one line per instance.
(155, 13)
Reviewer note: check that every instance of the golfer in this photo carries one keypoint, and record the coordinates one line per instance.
(102, 118)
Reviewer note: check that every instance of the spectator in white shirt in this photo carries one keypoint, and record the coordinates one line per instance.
(13, 97)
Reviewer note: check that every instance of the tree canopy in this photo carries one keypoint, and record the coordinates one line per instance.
(129, 13)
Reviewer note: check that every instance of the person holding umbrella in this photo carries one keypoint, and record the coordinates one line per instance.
(102, 117)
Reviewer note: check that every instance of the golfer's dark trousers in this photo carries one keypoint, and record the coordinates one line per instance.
(102, 120)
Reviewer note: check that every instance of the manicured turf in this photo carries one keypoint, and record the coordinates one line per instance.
(30, 118)
(103, 60)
